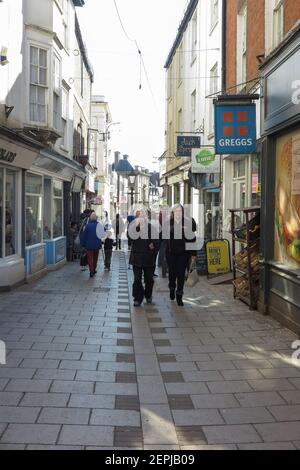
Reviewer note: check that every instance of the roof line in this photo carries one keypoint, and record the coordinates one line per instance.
(83, 49)
(182, 27)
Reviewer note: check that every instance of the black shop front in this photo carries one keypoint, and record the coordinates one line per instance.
(280, 242)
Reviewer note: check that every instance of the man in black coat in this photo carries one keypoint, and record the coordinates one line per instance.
(144, 249)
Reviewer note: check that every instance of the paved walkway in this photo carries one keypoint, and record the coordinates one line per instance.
(87, 370)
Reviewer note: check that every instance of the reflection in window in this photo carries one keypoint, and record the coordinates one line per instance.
(34, 221)
(10, 214)
(57, 209)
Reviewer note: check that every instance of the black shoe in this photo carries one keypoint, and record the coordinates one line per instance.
(172, 294)
(149, 301)
(92, 274)
(155, 275)
(179, 300)
(137, 303)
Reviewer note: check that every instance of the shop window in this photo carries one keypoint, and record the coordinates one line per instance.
(176, 193)
(57, 209)
(1, 212)
(256, 181)
(8, 212)
(287, 200)
(187, 193)
(47, 224)
(34, 220)
(239, 168)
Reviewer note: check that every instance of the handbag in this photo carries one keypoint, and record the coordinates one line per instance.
(77, 242)
(192, 278)
(83, 259)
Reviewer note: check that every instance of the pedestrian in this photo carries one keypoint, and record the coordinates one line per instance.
(108, 248)
(91, 241)
(178, 253)
(162, 260)
(144, 248)
(119, 227)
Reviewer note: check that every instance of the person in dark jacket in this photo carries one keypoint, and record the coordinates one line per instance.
(108, 248)
(91, 240)
(144, 248)
(178, 253)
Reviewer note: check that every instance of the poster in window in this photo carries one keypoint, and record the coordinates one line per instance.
(287, 207)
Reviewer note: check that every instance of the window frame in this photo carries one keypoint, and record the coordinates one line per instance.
(38, 85)
(39, 195)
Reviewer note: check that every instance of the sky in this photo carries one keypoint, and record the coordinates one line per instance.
(115, 59)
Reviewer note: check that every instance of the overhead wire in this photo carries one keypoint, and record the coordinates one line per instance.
(142, 63)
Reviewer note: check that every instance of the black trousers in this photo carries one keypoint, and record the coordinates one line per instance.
(107, 260)
(138, 290)
(177, 269)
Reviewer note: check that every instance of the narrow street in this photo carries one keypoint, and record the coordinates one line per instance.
(87, 370)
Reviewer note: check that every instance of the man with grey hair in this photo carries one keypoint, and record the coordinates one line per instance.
(91, 241)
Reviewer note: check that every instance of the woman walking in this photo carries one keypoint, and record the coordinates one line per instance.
(178, 253)
(91, 241)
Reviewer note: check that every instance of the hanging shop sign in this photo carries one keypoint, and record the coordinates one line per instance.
(235, 128)
(185, 144)
(205, 161)
(218, 257)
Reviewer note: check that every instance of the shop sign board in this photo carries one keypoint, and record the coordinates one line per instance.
(235, 128)
(205, 161)
(15, 155)
(218, 257)
(185, 144)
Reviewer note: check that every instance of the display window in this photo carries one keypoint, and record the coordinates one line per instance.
(287, 203)
(34, 209)
(8, 212)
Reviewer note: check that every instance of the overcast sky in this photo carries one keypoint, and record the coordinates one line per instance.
(153, 24)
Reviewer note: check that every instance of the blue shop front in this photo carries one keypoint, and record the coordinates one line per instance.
(49, 185)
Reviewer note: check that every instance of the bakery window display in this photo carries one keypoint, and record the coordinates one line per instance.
(287, 201)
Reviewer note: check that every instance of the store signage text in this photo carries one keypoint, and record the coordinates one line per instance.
(185, 144)
(7, 156)
(235, 129)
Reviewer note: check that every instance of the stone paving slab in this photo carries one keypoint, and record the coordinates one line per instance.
(86, 370)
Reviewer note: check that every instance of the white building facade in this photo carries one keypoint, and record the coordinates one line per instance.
(194, 70)
(37, 169)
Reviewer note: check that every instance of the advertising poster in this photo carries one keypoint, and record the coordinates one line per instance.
(287, 207)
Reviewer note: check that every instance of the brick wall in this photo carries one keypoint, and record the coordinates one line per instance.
(256, 36)
(231, 31)
(291, 14)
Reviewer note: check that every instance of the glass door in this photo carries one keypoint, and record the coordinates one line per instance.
(10, 213)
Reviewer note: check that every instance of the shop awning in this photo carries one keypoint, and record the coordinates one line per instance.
(59, 165)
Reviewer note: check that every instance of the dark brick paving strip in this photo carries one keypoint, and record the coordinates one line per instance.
(128, 437)
(190, 435)
(172, 377)
(164, 358)
(126, 377)
(180, 402)
(127, 402)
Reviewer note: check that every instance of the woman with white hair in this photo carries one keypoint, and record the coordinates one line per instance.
(91, 241)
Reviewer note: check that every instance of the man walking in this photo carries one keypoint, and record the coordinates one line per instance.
(91, 240)
(144, 249)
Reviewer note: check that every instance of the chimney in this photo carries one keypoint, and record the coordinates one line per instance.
(117, 157)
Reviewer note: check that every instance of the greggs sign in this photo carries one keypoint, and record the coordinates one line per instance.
(235, 128)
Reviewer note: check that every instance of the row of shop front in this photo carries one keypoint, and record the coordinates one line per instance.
(269, 178)
(39, 195)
